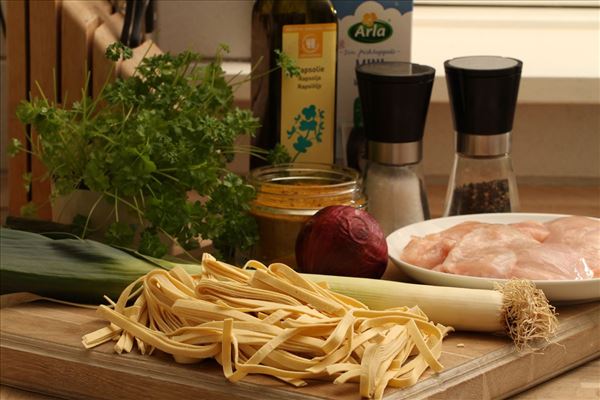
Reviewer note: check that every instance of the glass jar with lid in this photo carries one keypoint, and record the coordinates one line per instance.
(287, 195)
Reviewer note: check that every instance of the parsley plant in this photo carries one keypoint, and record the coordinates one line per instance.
(147, 141)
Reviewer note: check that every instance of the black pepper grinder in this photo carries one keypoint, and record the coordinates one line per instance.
(483, 95)
(395, 98)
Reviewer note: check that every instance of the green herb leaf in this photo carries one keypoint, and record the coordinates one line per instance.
(287, 64)
(118, 50)
(15, 147)
(151, 244)
(27, 177)
(279, 155)
(29, 210)
(120, 234)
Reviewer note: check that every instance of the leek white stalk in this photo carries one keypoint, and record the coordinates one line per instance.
(463, 309)
(516, 308)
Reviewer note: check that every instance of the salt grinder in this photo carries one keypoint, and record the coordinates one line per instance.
(483, 96)
(394, 98)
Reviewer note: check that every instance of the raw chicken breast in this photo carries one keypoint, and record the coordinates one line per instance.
(426, 252)
(548, 261)
(565, 248)
(581, 234)
(536, 230)
(488, 251)
(431, 250)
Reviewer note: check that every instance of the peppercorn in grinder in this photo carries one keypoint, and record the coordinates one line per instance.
(483, 95)
(395, 98)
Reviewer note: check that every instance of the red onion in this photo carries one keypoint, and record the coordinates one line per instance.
(343, 241)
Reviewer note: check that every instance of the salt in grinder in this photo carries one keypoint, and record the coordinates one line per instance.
(395, 98)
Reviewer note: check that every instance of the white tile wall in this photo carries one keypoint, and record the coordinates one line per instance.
(201, 25)
(552, 143)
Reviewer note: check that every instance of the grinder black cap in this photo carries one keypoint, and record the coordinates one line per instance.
(395, 98)
(483, 93)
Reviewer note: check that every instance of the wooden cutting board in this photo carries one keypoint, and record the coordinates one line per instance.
(40, 350)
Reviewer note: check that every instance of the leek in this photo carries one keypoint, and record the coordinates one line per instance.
(69, 268)
(84, 271)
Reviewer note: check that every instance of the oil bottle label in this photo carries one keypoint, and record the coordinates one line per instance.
(308, 101)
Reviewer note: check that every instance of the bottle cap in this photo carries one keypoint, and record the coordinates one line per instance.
(394, 98)
(483, 93)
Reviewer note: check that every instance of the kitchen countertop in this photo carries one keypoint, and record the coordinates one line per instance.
(582, 382)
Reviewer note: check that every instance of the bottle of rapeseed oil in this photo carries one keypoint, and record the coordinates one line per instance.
(298, 112)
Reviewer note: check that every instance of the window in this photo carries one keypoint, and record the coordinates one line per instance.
(559, 46)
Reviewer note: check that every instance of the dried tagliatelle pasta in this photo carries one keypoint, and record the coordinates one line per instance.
(271, 321)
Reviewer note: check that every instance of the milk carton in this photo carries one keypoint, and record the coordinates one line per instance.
(369, 31)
